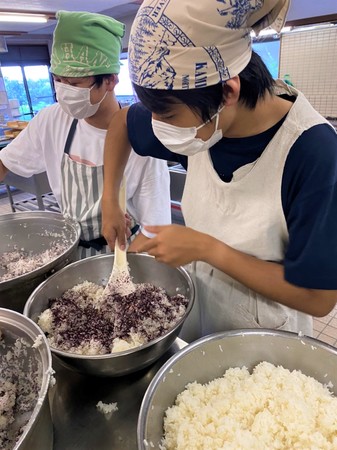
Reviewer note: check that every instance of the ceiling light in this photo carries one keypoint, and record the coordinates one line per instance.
(27, 18)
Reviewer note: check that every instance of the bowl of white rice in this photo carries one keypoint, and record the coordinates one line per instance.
(243, 389)
(118, 334)
(34, 245)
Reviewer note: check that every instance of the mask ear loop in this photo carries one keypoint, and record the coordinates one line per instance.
(205, 123)
(218, 116)
(210, 120)
(98, 103)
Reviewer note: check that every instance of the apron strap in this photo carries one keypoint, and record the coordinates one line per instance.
(70, 136)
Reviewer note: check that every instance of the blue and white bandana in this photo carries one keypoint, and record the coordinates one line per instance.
(187, 44)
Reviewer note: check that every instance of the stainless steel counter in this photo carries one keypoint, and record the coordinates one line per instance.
(36, 184)
(4, 142)
(78, 425)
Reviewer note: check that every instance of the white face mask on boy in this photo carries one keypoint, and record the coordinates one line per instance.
(75, 101)
(183, 140)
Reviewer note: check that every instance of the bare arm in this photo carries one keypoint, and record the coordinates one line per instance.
(177, 245)
(116, 154)
(3, 171)
(267, 278)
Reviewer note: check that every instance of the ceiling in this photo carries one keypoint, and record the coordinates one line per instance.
(300, 12)
(114, 8)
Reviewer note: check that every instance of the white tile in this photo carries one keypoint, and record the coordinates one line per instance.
(310, 59)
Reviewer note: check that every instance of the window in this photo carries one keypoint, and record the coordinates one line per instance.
(270, 54)
(28, 89)
(124, 91)
(27, 80)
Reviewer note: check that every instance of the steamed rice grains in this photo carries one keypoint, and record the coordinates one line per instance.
(272, 408)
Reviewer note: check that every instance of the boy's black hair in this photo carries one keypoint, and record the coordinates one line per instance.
(99, 79)
(255, 81)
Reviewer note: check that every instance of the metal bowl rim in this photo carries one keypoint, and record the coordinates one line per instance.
(125, 352)
(42, 269)
(151, 389)
(46, 375)
(31, 214)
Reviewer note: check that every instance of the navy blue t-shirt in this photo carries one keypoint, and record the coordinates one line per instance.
(309, 190)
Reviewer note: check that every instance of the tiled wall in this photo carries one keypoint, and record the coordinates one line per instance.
(310, 58)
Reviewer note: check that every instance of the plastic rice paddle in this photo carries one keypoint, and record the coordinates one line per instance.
(120, 280)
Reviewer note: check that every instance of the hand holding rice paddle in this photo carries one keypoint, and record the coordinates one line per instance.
(120, 281)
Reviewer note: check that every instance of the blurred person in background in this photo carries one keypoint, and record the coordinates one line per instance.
(260, 199)
(67, 139)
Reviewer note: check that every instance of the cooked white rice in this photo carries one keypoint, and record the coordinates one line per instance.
(272, 408)
(106, 408)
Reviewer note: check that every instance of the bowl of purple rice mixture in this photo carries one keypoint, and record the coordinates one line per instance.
(122, 333)
(33, 246)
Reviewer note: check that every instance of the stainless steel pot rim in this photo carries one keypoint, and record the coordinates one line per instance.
(117, 354)
(290, 340)
(243, 333)
(19, 216)
(108, 256)
(15, 319)
(33, 214)
(219, 336)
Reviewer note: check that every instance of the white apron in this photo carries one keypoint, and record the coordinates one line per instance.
(82, 187)
(246, 214)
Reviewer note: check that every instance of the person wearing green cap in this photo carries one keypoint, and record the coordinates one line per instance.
(67, 139)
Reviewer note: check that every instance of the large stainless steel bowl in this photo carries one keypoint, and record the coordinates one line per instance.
(97, 269)
(38, 432)
(35, 232)
(209, 357)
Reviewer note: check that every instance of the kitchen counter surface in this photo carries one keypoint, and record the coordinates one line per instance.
(36, 184)
(78, 425)
(4, 142)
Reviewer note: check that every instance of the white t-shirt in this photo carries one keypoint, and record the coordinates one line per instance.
(40, 148)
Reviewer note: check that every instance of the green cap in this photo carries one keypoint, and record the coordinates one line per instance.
(86, 44)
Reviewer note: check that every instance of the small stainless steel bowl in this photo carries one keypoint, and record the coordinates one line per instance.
(97, 269)
(38, 432)
(34, 231)
(209, 358)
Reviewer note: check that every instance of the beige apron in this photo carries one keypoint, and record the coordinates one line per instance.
(246, 214)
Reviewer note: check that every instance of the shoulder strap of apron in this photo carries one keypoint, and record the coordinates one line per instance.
(70, 136)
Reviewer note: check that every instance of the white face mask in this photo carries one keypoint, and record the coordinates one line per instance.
(75, 101)
(183, 140)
